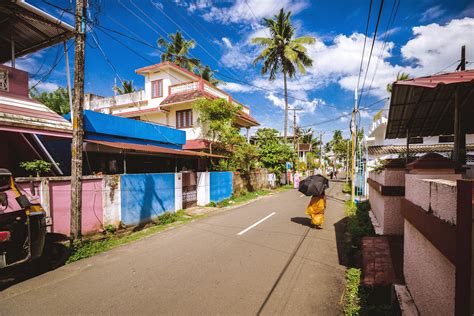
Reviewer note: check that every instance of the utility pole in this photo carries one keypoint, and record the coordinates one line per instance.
(459, 153)
(354, 140)
(77, 122)
(295, 145)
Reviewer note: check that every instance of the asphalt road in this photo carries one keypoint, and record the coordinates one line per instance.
(219, 265)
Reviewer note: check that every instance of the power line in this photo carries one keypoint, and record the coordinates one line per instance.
(393, 14)
(371, 50)
(365, 41)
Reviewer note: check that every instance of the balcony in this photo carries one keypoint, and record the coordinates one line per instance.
(101, 104)
(198, 85)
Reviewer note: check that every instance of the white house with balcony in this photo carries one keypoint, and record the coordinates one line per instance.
(167, 99)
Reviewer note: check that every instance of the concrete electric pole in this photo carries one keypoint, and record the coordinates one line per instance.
(77, 121)
(354, 141)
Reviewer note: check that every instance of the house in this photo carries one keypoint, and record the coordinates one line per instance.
(167, 99)
(25, 124)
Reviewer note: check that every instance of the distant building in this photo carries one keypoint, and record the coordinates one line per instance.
(167, 99)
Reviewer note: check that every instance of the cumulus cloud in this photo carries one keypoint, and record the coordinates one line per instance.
(45, 86)
(237, 87)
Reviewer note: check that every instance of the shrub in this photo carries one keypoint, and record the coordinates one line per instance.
(351, 296)
(37, 166)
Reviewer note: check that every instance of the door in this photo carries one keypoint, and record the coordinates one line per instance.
(189, 189)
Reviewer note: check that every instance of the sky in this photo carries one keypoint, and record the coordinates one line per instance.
(424, 37)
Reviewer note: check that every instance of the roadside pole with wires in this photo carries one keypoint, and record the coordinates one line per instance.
(77, 122)
(353, 149)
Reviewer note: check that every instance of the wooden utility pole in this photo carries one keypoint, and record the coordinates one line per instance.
(77, 122)
(295, 145)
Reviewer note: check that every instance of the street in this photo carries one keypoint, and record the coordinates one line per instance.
(261, 257)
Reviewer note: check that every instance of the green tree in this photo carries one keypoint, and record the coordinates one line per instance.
(282, 52)
(400, 76)
(57, 100)
(177, 51)
(216, 120)
(272, 152)
(127, 87)
(207, 73)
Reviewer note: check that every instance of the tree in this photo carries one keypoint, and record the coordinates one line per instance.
(272, 152)
(207, 73)
(57, 100)
(37, 166)
(177, 51)
(283, 53)
(127, 87)
(400, 76)
(339, 146)
(216, 120)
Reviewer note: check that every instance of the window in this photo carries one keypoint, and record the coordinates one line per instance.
(184, 119)
(157, 88)
(446, 138)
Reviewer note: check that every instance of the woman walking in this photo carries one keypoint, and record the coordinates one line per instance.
(315, 186)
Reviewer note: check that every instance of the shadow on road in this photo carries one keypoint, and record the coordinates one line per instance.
(305, 221)
(55, 255)
(343, 245)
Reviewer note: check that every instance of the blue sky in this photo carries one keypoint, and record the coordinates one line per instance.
(424, 38)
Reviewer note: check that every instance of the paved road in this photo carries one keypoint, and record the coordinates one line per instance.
(204, 267)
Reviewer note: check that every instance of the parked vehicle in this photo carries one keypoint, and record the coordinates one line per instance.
(23, 229)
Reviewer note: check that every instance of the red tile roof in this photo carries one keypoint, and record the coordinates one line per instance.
(185, 96)
(196, 144)
(153, 149)
(433, 81)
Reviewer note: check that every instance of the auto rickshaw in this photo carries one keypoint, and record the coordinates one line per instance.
(23, 229)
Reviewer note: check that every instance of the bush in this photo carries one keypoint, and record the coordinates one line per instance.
(351, 296)
(166, 218)
(346, 187)
(359, 223)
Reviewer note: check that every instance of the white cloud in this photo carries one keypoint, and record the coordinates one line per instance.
(248, 10)
(157, 5)
(432, 13)
(364, 114)
(237, 87)
(45, 86)
(227, 42)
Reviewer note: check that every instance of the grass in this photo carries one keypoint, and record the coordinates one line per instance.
(114, 238)
(352, 299)
(85, 249)
(358, 225)
(346, 187)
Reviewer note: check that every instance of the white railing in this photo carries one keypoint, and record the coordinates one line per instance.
(129, 98)
(215, 92)
(184, 87)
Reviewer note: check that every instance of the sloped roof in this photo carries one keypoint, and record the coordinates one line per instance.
(425, 106)
(31, 28)
(21, 113)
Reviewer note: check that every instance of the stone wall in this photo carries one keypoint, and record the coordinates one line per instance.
(256, 180)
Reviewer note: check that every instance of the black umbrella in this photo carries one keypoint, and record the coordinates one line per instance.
(314, 185)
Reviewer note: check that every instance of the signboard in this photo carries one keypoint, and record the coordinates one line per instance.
(3, 80)
(288, 165)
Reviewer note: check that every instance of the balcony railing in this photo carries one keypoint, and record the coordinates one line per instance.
(198, 86)
(96, 103)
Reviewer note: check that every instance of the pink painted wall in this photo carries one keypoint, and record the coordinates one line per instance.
(92, 213)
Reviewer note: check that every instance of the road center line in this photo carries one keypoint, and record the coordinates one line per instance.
(259, 222)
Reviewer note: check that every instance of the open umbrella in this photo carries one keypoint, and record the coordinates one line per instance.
(314, 185)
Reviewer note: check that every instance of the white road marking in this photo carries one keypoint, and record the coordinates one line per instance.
(259, 222)
(302, 195)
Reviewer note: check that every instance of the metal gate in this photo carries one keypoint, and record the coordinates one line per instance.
(189, 189)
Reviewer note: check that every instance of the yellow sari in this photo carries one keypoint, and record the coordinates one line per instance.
(315, 210)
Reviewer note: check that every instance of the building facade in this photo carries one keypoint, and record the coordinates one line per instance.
(167, 99)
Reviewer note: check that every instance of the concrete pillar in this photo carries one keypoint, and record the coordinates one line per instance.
(45, 200)
(111, 200)
(203, 188)
(248, 134)
(178, 191)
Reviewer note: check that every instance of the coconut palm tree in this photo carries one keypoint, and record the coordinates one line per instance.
(400, 76)
(207, 73)
(177, 51)
(127, 87)
(282, 52)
